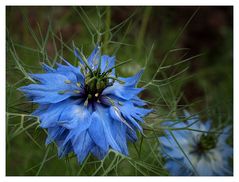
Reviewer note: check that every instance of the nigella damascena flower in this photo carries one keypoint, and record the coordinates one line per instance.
(190, 152)
(87, 109)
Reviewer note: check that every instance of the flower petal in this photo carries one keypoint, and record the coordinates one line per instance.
(98, 152)
(132, 81)
(48, 68)
(93, 59)
(82, 144)
(55, 133)
(75, 116)
(49, 115)
(120, 136)
(107, 123)
(131, 135)
(122, 91)
(71, 72)
(63, 150)
(107, 63)
(97, 133)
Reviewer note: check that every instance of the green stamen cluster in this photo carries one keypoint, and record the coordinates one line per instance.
(95, 80)
(207, 142)
(95, 83)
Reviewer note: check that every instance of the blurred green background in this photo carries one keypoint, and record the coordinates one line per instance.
(187, 54)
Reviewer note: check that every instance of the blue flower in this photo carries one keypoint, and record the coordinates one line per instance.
(190, 152)
(87, 109)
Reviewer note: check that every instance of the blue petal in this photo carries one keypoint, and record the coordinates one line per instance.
(75, 116)
(49, 78)
(49, 90)
(40, 110)
(63, 69)
(120, 136)
(98, 152)
(54, 133)
(179, 134)
(116, 115)
(167, 141)
(48, 68)
(107, 122)
(132, 81)
(172, 124)
(44, 97)
(176, 169)
(63, 150)
(130, 113)
(208, 125)
(227, 151)
(78, 56)
(97, 133)
(170, 147)
(227, 132)
(204, 168)
(51, 82)
(105, 100)
(82, 145)
(93, 59)
(122, 91)
(131, 135)
(132, 122)
(138, 102)
(173, 167)
(107, 63)
(50, 115)
(129, 107)
(193, 120)
(37, 88)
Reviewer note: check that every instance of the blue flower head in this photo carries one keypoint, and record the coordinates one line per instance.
(87, 109)
(190, 152)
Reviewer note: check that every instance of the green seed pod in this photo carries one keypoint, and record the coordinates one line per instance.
(98, 85)
(207, 142)
(67, 81)
(78, 84)
(89, 96)
(103, 84)
(77, 91)
(61, 92)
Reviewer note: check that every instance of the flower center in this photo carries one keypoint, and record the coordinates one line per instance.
(207, 142)
(95, 84)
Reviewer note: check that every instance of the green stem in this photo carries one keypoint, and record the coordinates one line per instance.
(143, 27)
(107, 29)
(180, 147)
(114, 78)
(115, 67)
(84, 59)
(90, 80)
(98, 69)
